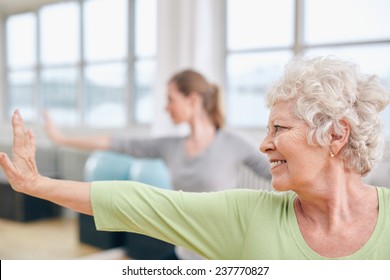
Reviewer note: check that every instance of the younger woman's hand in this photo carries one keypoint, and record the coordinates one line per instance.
(52, 131)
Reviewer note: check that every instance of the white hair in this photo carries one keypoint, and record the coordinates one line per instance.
(327, 90)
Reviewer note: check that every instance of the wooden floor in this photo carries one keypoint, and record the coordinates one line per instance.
(54, 239)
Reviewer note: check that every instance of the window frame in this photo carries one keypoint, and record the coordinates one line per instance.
(299, 46)
(128, 61)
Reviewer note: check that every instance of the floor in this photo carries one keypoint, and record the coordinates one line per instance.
(55, 239)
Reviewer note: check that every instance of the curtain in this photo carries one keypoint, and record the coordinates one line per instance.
(190, 35)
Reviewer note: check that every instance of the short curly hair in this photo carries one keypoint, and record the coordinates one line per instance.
(329, 89)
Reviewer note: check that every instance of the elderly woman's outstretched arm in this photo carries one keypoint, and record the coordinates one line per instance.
(23, 175)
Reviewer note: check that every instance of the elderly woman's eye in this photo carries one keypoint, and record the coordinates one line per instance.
(278, 127)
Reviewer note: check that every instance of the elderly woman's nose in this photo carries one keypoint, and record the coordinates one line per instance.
(266, 145)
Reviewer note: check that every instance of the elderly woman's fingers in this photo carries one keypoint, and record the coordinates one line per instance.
(24, 139)
(19, 132)
(22, 170)
(8, 167)
(32, 143)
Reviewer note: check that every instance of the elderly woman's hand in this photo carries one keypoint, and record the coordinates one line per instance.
(22, 172)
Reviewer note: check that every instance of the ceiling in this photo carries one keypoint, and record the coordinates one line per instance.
(17, 6)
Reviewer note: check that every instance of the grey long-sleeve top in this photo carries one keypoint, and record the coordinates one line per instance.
(216, 168)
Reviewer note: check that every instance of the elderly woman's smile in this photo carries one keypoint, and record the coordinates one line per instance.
(275, 163)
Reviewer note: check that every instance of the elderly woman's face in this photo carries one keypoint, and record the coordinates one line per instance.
(294, 163)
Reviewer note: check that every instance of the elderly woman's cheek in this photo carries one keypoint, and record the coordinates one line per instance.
(291, 139)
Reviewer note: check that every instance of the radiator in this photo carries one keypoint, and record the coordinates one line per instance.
(46, 158)
(249, 179)
(71, 164)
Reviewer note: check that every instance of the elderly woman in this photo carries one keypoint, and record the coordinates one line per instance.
(324, 134)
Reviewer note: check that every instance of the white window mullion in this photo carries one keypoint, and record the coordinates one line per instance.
(81, 66)
(130, 83)
(298, 28)
(37, 104)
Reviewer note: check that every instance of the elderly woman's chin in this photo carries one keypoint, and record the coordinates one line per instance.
(280, 185)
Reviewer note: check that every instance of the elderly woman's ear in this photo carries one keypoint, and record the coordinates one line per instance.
(339, 136)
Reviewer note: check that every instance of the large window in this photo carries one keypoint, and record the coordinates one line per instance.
(105, 51)
(21, 31)
(260, 37)
(145, 50)
(93, 62)
(59, 53)
(88, 63)
(263, 35)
